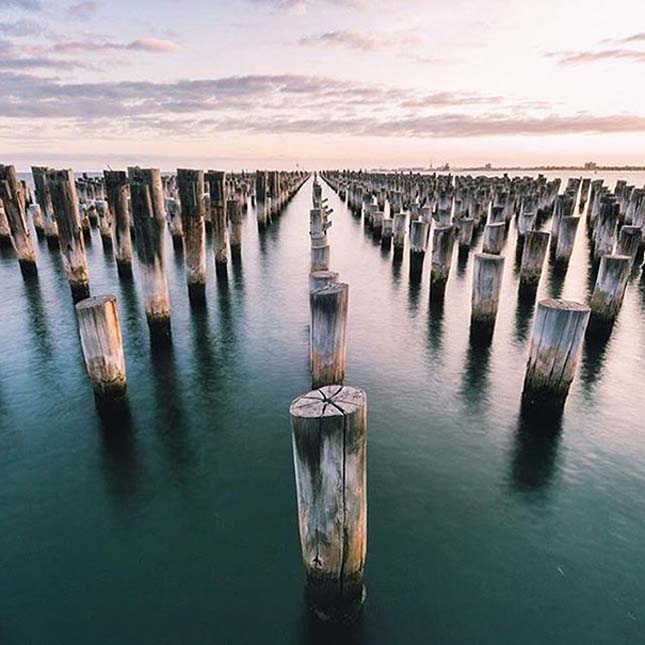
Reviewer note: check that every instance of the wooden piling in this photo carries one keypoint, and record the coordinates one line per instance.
(62, 188)
(149, 225)
(105, 221)
(175, 226)
(102, 344)
(234, 215)
(190, 185)
(494, 238)
(320, 255)
(566, 239)
(13, 199)
(487, 284)
(556, 341)
(418, 243)
(466, 230)
(329, 432)
(629, 239)
(609, 290)
(44, 200)
(443, 240)
(5, 231)
(116, 188)
(217, 191)
(536, 245)
(329, 309)
(322, 279)
(398, 234)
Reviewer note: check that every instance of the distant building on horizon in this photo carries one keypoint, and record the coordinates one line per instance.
(591, 165)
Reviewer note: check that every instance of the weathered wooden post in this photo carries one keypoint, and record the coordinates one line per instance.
(116, 188)
(466, 230)
(260, 197)
(217, 190)
(398, 234)
(102, 344)
(386, 235)
(536, 245)
(629, 239)
(329, 431)
(105, 222)
(190, 185)
(5, 231)
(234, 214)
(487, 284)
(443, 241)
(322, 279)
(149, 225)
(418, 244)
(494, 238)
(70, 236)
(558, 332)
(35, 213)
(329, 309)
(13, 199)
(609, 290)
(320, 255)
(173, 210)
(44, 199)
(605, 231)
(566, 239)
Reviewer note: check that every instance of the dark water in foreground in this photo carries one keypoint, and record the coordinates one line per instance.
(180, 527)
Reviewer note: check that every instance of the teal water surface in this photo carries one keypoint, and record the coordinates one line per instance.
(179, 524)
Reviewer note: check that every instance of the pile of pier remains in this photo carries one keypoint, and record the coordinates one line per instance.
(132, 209)
(439, 212)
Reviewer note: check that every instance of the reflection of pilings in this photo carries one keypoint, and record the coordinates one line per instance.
(170, 415)
(435, 325)
(535, 454)
(594, 354)
(39, 328)
(524, 315)
(119, 456)
(203, 351)
(474, 388)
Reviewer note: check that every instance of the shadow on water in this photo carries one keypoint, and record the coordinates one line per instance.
(38, 320)
(557, 275)
(476, 374)
(120, 460)
(535, 452)
(170, 417)
(414, 291)
(315, 632)
(594, 354)
(435, 326)
(524, 315)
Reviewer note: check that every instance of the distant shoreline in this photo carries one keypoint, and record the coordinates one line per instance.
(522, 169)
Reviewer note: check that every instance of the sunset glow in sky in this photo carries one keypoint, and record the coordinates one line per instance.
(321, 83)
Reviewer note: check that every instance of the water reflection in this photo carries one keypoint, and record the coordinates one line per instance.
(170, 417)
(535, 454)
(315, 632)
(435, 326)
(132, 317)
(524, 315)
(557, 274)
(203, 351)
(476, 375)
(594, 354)
(120, 459)
(414, 290)
(38, 322)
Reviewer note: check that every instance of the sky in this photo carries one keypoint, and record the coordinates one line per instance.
(242, 84)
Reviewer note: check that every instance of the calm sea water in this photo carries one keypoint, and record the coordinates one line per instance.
(180, 525)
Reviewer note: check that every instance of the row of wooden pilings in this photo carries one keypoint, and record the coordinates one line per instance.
(329, 434)
(454, 211)
(138, 204)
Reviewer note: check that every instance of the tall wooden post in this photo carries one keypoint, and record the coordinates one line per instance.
(418, 243)
(329, 431)
(105, 222)
(173, 210)
(487, 285)
(536, 245)
(149, 225)
(5, 231)
(234, 214)
(190, 184)
(494, 238)
(329, 309)
(443, 241)
(556, 341)
(102, 344)
(44, 199)
(116, 188)
(629, 239)
(566, 239)
(217, 189)
(70, 235)
(13, 199)
(611, 283)
(398, 234)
